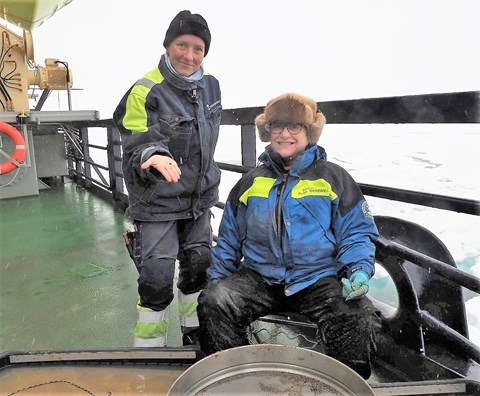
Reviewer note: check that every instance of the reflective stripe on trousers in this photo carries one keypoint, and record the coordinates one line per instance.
(151, 328)
(187, 309)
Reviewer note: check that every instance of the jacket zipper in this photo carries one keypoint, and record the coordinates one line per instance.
(202, 171)
(209, 107)
(278, 211)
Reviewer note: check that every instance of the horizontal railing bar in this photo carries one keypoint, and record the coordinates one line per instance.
(88, 162)
(97, 147)
(443, 108)
(435, 266)
(95, 181)
(464, 345)
(461, 205)
(233, 168)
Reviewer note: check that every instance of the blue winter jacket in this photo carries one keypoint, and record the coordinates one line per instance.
(297, 227)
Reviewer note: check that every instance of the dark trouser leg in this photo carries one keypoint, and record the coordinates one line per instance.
(195, 238)
(158, 248)
(346, 327)
(227, 308)
(155, 283)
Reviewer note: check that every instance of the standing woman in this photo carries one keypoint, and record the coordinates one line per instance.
(169, 122)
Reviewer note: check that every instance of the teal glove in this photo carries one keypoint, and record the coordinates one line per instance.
(357, 286)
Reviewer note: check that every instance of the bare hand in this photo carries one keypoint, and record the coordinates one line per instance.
(165, 165)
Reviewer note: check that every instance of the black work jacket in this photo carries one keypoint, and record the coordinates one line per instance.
(164, 114)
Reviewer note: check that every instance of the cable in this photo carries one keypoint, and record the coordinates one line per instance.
(68, 83)
(5, 79)
(54, 382)
(11, 181)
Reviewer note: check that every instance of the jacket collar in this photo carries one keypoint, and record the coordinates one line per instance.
(273, 161)
(177, 81)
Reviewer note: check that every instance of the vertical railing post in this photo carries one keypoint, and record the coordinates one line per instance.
(69, 152)
(114, 154)
(249, 152)
(86, 157)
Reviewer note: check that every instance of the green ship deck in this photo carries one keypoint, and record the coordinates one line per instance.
(66, 280)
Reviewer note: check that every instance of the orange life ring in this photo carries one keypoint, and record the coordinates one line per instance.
(19, 153)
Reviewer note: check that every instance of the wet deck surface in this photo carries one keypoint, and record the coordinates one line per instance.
(66, 280)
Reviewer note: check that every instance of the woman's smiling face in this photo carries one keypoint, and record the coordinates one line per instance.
(186, 54)
(289, 146)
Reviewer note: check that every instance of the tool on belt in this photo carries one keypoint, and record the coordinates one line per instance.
(133, 248)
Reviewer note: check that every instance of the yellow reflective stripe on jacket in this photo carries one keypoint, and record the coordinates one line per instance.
(260, 187)
(154, 75)
(309, 188)
(135, 118)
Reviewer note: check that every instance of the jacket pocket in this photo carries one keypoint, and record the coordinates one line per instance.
(179, 132)
(318, 217)
(214, 114)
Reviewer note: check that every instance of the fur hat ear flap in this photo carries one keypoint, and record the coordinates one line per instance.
(316, 128)
(261, 123)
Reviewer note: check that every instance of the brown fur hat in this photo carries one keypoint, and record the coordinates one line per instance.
(291, 108)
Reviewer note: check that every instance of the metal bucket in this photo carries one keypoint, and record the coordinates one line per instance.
(268, 369)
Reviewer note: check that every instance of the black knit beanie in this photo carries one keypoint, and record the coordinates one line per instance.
(187, 23)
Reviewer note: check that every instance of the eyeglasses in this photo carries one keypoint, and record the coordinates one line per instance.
(277, 127)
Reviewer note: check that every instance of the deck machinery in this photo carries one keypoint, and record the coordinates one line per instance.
(32, 143)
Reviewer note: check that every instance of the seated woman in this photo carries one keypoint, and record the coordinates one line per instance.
(296, 235)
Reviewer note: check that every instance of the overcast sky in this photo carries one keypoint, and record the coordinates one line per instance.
(262, 48)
